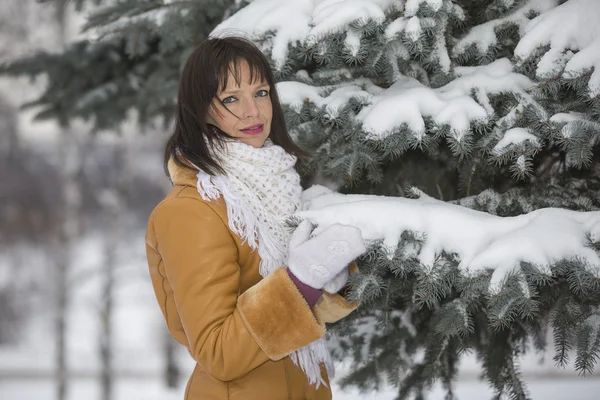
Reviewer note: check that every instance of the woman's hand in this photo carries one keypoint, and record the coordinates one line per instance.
(338, 282)
(317, 261)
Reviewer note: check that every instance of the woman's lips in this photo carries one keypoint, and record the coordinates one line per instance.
(253, 130)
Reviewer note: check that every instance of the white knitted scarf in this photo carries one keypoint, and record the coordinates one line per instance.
(262, 189)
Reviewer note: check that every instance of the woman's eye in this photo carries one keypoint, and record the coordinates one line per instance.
(262, 93)
(228, 100)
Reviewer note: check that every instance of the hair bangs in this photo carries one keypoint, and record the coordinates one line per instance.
(231, 67)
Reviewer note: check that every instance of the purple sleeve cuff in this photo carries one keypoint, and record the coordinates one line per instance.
(310, 294)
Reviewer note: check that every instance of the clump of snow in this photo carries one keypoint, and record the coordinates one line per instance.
(440, 51)
(413, 28)
(412, 6)
(155, 16)
(481, 240)
(340, 97)
(579, 29)
(295, 94)
(484, 36)
(584, 61)
(262, 16)
(515, 136)
(571, 120)
(395, 27)
(491, 79)
(352, 42)
(407, 101)
(309, 20)
(332, 15)
(566, 117)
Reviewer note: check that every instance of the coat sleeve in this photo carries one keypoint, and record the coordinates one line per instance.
(228, 333)
(333, 307)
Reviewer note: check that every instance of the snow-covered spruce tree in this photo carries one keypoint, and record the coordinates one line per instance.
(129, 59)
(480, 102)
(469, 100)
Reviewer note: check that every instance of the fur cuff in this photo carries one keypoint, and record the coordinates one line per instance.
(333, 307)
(277, 316)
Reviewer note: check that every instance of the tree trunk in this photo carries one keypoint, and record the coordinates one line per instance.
(106, 345)
(67, 230)
(171, 367)
(114, 204)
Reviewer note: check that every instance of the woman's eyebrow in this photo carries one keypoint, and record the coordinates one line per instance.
(233, 91)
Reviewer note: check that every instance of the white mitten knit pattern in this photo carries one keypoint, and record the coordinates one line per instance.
(338, 282)
(318, 260)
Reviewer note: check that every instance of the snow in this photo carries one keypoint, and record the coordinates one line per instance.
(96, 95)
(566, 117)
(582, 62)
(295, 94)
(484, 36)
(413, 28)
(491, 79)
(352, 42)
(412, 6)
(311, 19)
(571, 121)
(334, 15)
(579, 28)
(154, 16)
(481, 241)
(407, 101)
(340, 97)
(152, 388)
(262, 16)
(515, 136)
(440, 52)
(395, 27)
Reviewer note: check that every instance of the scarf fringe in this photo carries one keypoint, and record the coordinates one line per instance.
(244, 223)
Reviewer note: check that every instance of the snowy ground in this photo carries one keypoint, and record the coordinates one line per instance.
(151, 389)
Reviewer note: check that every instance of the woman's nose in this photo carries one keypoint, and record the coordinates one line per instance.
(250, 109)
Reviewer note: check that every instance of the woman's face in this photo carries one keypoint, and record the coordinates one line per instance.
(250, 110)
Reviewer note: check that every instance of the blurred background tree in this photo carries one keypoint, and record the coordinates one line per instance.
(93, 178)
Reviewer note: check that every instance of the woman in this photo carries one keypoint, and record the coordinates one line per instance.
(246, 298)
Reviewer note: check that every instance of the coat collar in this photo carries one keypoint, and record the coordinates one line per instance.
(181, 175)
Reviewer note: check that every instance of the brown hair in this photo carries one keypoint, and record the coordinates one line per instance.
(205, 73)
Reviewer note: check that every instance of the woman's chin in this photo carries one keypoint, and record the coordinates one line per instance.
(256, 142)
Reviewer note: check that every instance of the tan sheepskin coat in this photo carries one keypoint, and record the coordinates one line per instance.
(239, 327)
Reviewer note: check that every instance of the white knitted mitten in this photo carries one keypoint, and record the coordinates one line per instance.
(338, 282)
(316, 261)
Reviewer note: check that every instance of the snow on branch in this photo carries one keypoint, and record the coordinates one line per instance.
(579, 32)
(408, 102)
(515, 136)
(484, 36)
(481, 241)
(295, 94)
(584, 61)
(296, 21)
(114, 18)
